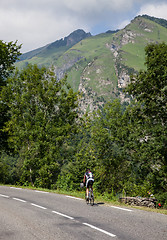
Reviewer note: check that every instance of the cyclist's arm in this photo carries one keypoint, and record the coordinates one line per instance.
(84, 180)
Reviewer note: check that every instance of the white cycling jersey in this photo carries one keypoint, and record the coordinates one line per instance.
(89, 177)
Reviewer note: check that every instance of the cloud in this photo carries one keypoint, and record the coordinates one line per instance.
(98, 5)
(152, 8)
(36, 23)
(158, 10)
(123, 24)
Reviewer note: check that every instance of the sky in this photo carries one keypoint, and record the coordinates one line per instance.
(35, 23)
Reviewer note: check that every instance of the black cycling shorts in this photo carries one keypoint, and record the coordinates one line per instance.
(89, 183)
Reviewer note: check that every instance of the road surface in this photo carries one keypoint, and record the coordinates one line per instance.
(31, 215)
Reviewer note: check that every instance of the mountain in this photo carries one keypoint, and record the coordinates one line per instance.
(48, 54)
(100, 65)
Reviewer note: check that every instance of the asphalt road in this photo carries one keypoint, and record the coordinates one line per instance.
(30, 215)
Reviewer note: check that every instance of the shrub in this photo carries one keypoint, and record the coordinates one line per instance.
(162, 199)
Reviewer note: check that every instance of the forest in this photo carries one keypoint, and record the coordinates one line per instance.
(45, 142)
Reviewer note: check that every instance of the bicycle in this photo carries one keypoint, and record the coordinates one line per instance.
(90, 198)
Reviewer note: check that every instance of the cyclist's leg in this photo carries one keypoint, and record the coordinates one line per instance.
(87, 199)
(87, 192)
(91, 186)
(87, 189)
(92, 196)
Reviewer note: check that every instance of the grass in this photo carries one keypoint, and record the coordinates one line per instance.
(134, 54)
(98, 198)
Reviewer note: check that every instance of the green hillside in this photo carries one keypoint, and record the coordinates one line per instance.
(145, 31)
(49, 54)
(100, 65)
(92, 59)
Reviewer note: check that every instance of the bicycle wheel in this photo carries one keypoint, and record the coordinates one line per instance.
(86, 199)
(92, 199)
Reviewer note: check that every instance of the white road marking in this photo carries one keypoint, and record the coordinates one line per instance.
(38, 206)
(99, 229)
(16, 188)
(74, 197)
(66, 216)
(20, 200)
(1, 195)
(61, 214)
(124, 209)
(40, 191)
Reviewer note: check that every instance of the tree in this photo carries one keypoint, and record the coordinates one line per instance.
(149, 88)
(43, 115)
(9, 53)
(81, 156)
(108, 138)
(3, 172)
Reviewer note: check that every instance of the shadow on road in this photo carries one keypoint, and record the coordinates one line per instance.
(98, 203)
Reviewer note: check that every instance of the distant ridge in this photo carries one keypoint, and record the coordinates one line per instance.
(160, 21)
(72, 39)
(30, 54)
(112, 31)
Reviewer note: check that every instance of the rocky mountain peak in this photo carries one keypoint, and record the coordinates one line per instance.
(76, 37)
(71, 39)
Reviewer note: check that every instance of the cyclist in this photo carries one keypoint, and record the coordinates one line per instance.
(89, 180)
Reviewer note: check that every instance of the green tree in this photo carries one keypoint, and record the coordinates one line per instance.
(149, 88)
(43, 115)
(9, 53)
(8, 170)
(3, 172)
(81, 157)
(108, 138)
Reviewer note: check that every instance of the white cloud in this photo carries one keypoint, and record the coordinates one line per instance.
(98, 5)
(36, 23)
(158, 10)
(123, 24)
(34, 27)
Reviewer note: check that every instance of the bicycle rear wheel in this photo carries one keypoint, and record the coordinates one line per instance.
(91, 198)
(86, 199)
(92, 201)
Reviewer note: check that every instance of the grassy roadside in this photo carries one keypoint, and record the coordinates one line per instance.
(98, 198)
